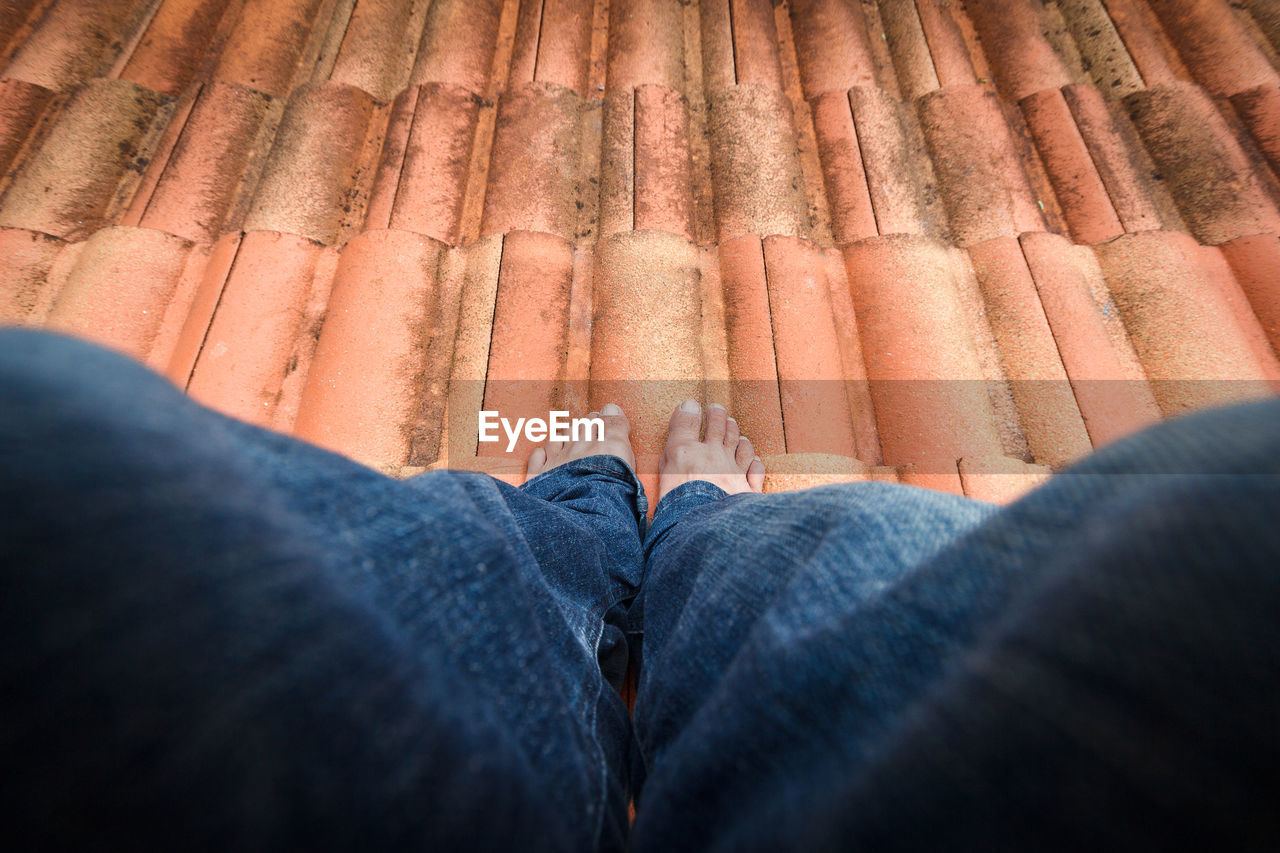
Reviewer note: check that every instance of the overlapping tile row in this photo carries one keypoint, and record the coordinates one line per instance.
(272, 46)
(900, 352)
(826, 119)
(938, 242)
(249, 114)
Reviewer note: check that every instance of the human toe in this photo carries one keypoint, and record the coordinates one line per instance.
(686, 422)
(537, 461)
(717, 424)
(616, 424)
(731, 434)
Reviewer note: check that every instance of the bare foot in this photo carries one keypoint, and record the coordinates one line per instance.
(617, 442)
(721, 456)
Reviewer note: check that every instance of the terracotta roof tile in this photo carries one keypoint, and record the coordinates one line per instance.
(1138, 193)
(716, 31)
(646, 44)
(271, 44)
(1108, 380)
(663, 180)
(1050, 419)
(755, 168)
(755, 43)
(25, 260)
(1080, 189)
(789, 471)
(83, 173)
(21, 106)
(900, 174)
(806, 342)
(1265, 16)
(999, 479)
(926, 381)
(119, 286)
(861, 410)
(317, 179)
(617, 203)
(379, 37)
(472, 345)
(1218, 269)
(1221, 192)
(911, 240)
(1183, 324)
(646, 177)
(939, 475)
(186, 322)
(1015, 36)
(421, 181)
(1215, 45)
(911, 57)
(852, 215)
(553, 44)
(832, 45)
(646, 342)
(75, 40)
(952, 61)
(753, 364)
(1259, 109)
(14, 18)
(1149, 47)
(530, 340)
(362, 391)
(1103, 53)
(986, 190)
(806, 140)
(533, 177)
(255, 339)
(203, 184)
(459, 42)
(1256, 263)
(178, 44)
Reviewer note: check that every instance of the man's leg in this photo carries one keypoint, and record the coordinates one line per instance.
(875, 666)
(215, 632)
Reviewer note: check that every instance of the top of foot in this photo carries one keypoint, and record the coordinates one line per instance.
(715, 454)
(616, 442)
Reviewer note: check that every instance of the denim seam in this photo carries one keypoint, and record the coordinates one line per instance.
(604, 605)
(602, 762)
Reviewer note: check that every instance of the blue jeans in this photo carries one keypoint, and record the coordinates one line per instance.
(217, 636)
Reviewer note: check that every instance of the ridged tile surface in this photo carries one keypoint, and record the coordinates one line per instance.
(955, 244)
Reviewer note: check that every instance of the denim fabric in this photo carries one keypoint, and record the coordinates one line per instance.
(879, 667)
(217, 636)
(220, 635)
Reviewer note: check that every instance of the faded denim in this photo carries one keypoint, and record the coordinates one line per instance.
(217, 636)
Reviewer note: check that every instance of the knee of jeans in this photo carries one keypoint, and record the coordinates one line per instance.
(48, 379)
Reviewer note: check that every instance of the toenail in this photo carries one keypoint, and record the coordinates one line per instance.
(611, 409)
(691, 406)
(716, 406)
